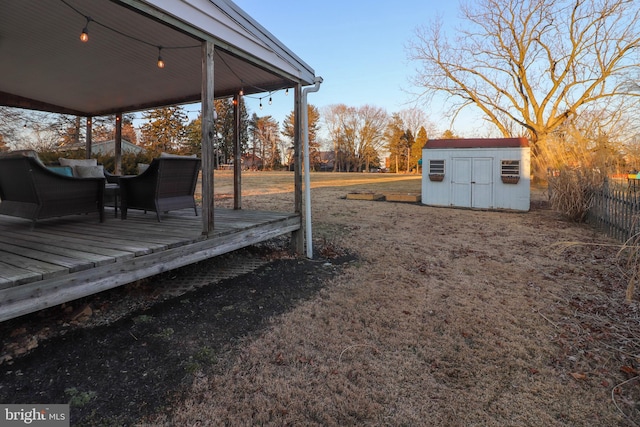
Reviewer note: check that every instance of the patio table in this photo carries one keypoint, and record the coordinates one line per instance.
(112, 192)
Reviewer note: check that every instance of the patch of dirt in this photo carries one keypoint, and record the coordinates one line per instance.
(127, 353)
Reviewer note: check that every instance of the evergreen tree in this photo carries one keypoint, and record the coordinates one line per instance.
(313, 122)
(225, 128)
(265, 141)
(104, 128)
(165, 130)
(418, 145)
(193, 136)
(394, 135)
(448, 134)
(408, 141)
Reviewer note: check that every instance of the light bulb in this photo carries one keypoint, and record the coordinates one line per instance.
(84, 36)
(160, 61)
(270, 101)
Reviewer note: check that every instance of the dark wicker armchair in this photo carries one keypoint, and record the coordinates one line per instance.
(168, 184)
(29, 190)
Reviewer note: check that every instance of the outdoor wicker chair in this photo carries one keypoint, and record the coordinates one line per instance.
(168, 184)
(29, 190)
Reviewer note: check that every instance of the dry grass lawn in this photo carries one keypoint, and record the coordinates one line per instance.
(450, 317)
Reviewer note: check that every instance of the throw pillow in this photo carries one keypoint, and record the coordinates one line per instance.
(89, 171)
(62, 170)
(77, 162)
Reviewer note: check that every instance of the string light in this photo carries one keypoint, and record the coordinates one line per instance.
(160, 61)
(270, 102)
(261, 103)
(84, 36)
(286, 92)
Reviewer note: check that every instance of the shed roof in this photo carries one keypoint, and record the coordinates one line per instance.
(46, 67)
(477, 143)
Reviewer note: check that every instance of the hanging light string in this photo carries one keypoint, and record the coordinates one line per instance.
(84, 36)
(243, 84)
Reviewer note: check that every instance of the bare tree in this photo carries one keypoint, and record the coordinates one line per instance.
(358, 134)
(11, 121)
(414, 119)
(538, 63)
(41, 139)
(332, 118)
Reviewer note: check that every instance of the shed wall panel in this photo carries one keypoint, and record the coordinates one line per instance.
(484, 188)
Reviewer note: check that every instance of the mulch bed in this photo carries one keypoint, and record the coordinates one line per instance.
(122, 355)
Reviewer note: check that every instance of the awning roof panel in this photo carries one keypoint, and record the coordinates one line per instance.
(49, 68)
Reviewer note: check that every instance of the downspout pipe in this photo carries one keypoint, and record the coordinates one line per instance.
(307, 178)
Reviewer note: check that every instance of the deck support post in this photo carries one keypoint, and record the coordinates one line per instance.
(208, 136)
(88, 140)
(237, 153)
(118, 145)
(297, 237)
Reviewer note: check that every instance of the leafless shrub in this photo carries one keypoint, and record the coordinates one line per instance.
(577, 167)
(571, 191)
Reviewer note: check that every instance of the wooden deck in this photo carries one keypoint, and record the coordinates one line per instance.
(63, 259)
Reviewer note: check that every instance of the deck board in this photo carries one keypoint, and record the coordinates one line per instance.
(67, 258)
(52, 250)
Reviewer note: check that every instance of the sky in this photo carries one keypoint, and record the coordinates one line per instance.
(358, 49)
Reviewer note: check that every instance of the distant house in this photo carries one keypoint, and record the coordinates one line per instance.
(251, 162)
(108, 147)
(327, 161)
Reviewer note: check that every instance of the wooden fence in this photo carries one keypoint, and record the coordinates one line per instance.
(616, 212)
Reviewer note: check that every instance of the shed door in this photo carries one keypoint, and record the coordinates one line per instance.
(471, 182)
(481, 183)
(461, 182)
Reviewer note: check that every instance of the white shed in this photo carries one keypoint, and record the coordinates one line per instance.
(477, 173)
